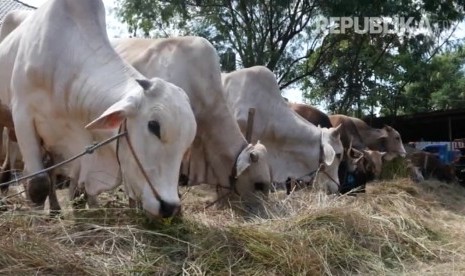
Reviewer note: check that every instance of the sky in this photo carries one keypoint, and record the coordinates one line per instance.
(117, 29)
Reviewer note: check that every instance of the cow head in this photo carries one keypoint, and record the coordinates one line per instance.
(253, 177)
(392, 143)
(331, 155)
(373, 162)
(414, 172)
(352, 158)
(160, 126)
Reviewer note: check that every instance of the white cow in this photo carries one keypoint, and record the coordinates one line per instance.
(9, 149)
(296, 148)
(220, 154)
(59, 72)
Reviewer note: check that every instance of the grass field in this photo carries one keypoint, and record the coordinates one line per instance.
(396, 228)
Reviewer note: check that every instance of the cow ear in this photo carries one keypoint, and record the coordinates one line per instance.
(243, 161)
(113, 116)
(388, 128)
(329, 154)
(336, 131)
(251, 154)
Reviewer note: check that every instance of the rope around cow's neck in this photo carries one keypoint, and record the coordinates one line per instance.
(88, 150)
(314, 175)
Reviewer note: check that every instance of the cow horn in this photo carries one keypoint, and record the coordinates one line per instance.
(145, 84)
(358, 152)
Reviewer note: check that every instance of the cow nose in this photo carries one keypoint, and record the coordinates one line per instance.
(169, 209)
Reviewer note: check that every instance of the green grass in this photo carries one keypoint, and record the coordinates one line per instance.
(394, 169)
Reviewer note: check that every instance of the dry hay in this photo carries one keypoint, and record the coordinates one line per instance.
(397, 227)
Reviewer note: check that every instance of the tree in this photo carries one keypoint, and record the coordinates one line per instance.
(441, 84)
(354, 72)
(367, 72)
(274, 33)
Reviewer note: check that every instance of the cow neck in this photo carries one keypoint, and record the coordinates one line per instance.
(223, 143)
(99, 76)
(96, 90)
(299, 157)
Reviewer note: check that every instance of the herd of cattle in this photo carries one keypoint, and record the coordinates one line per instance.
(64, 85)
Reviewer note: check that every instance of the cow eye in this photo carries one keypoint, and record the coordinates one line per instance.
(154, 127)
(338, 155)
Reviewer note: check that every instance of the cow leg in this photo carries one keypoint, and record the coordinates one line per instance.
(37, 187)
(5, 170)
(76, 189)
(5, 176)
(12, 150)
(55, 209)
(92, 201)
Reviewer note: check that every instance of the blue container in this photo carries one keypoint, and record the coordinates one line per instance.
(441, 151)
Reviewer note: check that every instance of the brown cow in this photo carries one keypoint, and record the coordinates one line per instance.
(369, 162)
(311, 114)
(350, 136)
(358, 168)
(414, 172)
(431, 166)
(382, 139)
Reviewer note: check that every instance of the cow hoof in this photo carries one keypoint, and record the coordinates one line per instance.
(79, 203)
(38, 188)
(92, 201)
(4, 190)
(56, 214)
(5, 176)
(132, 203)
(3, 206)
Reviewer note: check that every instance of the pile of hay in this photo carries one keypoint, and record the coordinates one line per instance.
(397, 227)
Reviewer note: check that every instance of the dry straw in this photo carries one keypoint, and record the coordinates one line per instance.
(397, 227)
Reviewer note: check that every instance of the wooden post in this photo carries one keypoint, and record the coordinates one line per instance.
(250, 118)
(449, 121)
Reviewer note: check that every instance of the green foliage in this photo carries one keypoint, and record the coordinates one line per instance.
(259, 32)
(395, 169)
(354, 73)
(365, 72)
(440, 86)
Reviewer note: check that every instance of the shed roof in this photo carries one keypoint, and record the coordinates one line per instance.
(441, 125)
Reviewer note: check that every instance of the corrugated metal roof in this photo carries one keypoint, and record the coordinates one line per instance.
(9, 5)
